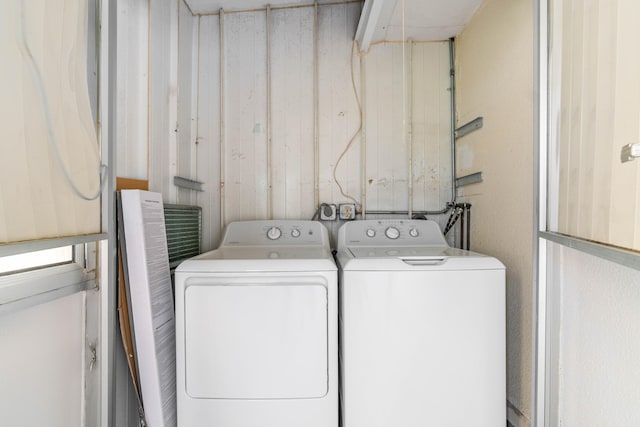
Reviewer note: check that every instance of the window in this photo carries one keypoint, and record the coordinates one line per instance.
(37, 259)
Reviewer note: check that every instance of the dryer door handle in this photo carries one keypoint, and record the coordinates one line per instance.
(423, 261)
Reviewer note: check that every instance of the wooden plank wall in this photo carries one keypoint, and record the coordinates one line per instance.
(186, 94)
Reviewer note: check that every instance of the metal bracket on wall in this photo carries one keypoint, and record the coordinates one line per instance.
(187, 183)
(473, 178)
(474, 124)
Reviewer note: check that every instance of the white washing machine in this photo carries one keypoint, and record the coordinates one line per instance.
(256, 329)
(422, 329)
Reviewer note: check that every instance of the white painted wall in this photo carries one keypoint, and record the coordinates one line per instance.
(494, 65)
(292, 112)
(183, 52)
(598, 340)
(156, 85)
(42, 364)
(132, 87)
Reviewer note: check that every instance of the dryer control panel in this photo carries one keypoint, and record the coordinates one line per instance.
(390, 232)
(275, 233)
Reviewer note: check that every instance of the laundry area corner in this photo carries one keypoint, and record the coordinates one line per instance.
(352, 213)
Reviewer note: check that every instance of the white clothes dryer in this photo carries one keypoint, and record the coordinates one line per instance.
(256, 329)
(422, 329)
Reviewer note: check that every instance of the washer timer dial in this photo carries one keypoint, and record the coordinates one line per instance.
(392, 233)
(274, 233)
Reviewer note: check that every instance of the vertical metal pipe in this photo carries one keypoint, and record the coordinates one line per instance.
(542, 399)
(197, 175)
(452, 78)
(222, 122)
(316, 113)
(462, 228)
(363, 136)
(409, 119)
(468, 215)
(108, 107)
(149, 74)
(269, 168)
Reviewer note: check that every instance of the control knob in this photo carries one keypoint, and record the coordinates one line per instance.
(371, 232)
(295, 233)
(392, 233)
(414, 232)
(274, 233)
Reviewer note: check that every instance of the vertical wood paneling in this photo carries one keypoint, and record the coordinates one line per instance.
(208, 139)
(163, 98)
(431, 126)
(245, 101)
(292, 65)
(292, 117)
(339, 117)
(131, 128)
(387, 153)
(186, 109)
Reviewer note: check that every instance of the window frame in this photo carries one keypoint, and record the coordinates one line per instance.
(26, 288)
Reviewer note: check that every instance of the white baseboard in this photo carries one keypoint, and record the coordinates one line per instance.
(515, 417)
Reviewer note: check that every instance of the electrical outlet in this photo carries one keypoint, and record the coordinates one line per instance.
(348, 211)
(328, 212)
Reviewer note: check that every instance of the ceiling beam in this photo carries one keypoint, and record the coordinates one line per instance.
(374, 20)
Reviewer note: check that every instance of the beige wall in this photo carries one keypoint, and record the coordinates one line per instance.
(494, 64)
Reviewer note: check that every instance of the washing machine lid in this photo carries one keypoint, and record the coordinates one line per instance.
(399, 251)
(414, 259)
(261, 259)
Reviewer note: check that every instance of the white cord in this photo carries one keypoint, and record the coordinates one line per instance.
(47, 116)
(335, 167)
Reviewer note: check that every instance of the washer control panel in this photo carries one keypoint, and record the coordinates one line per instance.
(391, 232)
(275, 233)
